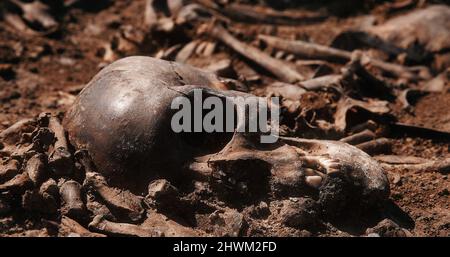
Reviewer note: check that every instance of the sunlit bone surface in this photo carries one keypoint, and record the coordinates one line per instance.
(123, 119)
(428, 27)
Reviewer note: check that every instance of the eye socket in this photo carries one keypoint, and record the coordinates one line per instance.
(202, 143)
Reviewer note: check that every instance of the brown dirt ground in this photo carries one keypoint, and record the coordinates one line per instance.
(48, 73)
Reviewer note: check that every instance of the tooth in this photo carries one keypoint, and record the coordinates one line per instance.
(314, 181)
(332, 170)
(310, 172)
(313, 172)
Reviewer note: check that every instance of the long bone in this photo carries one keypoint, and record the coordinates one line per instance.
(275, 66)
(316, 51)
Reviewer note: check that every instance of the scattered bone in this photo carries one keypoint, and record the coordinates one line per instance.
(156, 11)
(161, 189)
(305, 49)
(360, 137)
(42, 139)
(369, 82)
(97, 208)
(50, 188)
(36, 12)
(277, 67)
(346, 104)
(201, 47)
(9, 170)
(408, 97)
(169, 228)
(222, 68)
(321, 82)
(186, 52)
(248, 13)
(17, 184)
(72, 202)
(191, 13)
(209, 48)
(109, 54)
(70, 227)
(102, 225)
(150, 16)
(65, 99)
(60, 160)
(316, 51)
(373, 41)
(18, 24)
(428, 26)
(33, 200)
(442, 166)
(156, 225)
(396, 159)
(376, 146)
(121, 201)
(165, 198)
(369, 125)
(13, 134)
(439, 83)
(402, 5)
(285, 90)
(36, 168)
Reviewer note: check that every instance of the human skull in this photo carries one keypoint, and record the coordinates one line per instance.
(123, 117)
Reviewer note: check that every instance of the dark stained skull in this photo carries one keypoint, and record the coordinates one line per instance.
(123, 117)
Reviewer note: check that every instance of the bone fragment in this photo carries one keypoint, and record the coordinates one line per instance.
(442, 166)
(12, 134)
(35, 168)
(360, 137)
(36, 12)
(316, 51)
(321, 82)
(376, 146)
(247, 13)
(370, 125)
(72, 203)
(10, 170)
(121, 201)
(279, 68)
(117, 200)
(17, 184)
(60, 160)
(102, 225)
(186, 52)
(398, 159)
(70, 227)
